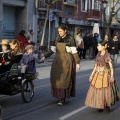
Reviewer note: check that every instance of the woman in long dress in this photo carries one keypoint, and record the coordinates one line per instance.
(103, 92)
(63, 70)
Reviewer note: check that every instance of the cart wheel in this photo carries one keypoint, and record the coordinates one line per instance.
(27, 91)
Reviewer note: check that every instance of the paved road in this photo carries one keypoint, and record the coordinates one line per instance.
(44, 107)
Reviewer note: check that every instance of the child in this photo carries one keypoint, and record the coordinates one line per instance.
(4, 56)
(103, 92)
(27, 63)
(15, 54)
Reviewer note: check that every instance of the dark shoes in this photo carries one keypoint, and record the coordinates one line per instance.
(21, 76)
(107, 108)
(62, 102)
(100, 110)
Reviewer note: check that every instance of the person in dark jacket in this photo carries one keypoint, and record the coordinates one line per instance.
(97, 40)
(91, 46)
(86, 45)
(114, 49)
(107, 39)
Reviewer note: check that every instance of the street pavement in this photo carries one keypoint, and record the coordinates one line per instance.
(44, 106)
(44, 68)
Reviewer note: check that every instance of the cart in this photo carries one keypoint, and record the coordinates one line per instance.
(11, 84)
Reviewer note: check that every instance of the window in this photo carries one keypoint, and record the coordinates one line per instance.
(107, 10)
(91, 4)
(84, 5)
(97, 6)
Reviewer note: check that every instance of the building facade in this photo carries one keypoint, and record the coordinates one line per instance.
(53, 20)
(83, 15)
(15, 15)
(76, 14)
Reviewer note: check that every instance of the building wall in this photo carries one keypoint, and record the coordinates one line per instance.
(79, 19)
(9, 22)
(21, 19)
(24, 17)
(19, 14)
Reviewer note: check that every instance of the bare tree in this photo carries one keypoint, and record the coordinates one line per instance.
(113, 13)
(49, 4)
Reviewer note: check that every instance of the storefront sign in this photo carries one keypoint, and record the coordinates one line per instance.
(50, 15)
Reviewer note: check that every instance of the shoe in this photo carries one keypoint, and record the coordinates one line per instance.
(21, 76)
(62, 102)
(100, 110)
(107, 108)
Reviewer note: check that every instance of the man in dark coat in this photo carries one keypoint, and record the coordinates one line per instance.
(92, 44)
(86, 45)
(114, 49)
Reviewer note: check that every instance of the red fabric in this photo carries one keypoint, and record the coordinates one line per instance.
(23, 42)
(3, 61)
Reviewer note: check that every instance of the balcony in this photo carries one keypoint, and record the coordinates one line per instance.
(56, 7)
(93, 15)
(70, 3)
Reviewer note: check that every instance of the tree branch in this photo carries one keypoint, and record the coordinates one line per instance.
(47, 15)
(115, 5)
(53, 2)
(111, 13)
(116, 11)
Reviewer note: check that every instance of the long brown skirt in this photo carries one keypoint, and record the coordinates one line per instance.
(61, 93)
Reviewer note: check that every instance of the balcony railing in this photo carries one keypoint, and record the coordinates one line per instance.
(93, 14)
(70, 4)
(55, 6)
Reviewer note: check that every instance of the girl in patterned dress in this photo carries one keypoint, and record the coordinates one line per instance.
(103, 92)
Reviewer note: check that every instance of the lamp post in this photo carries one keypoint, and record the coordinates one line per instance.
(104, 5)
